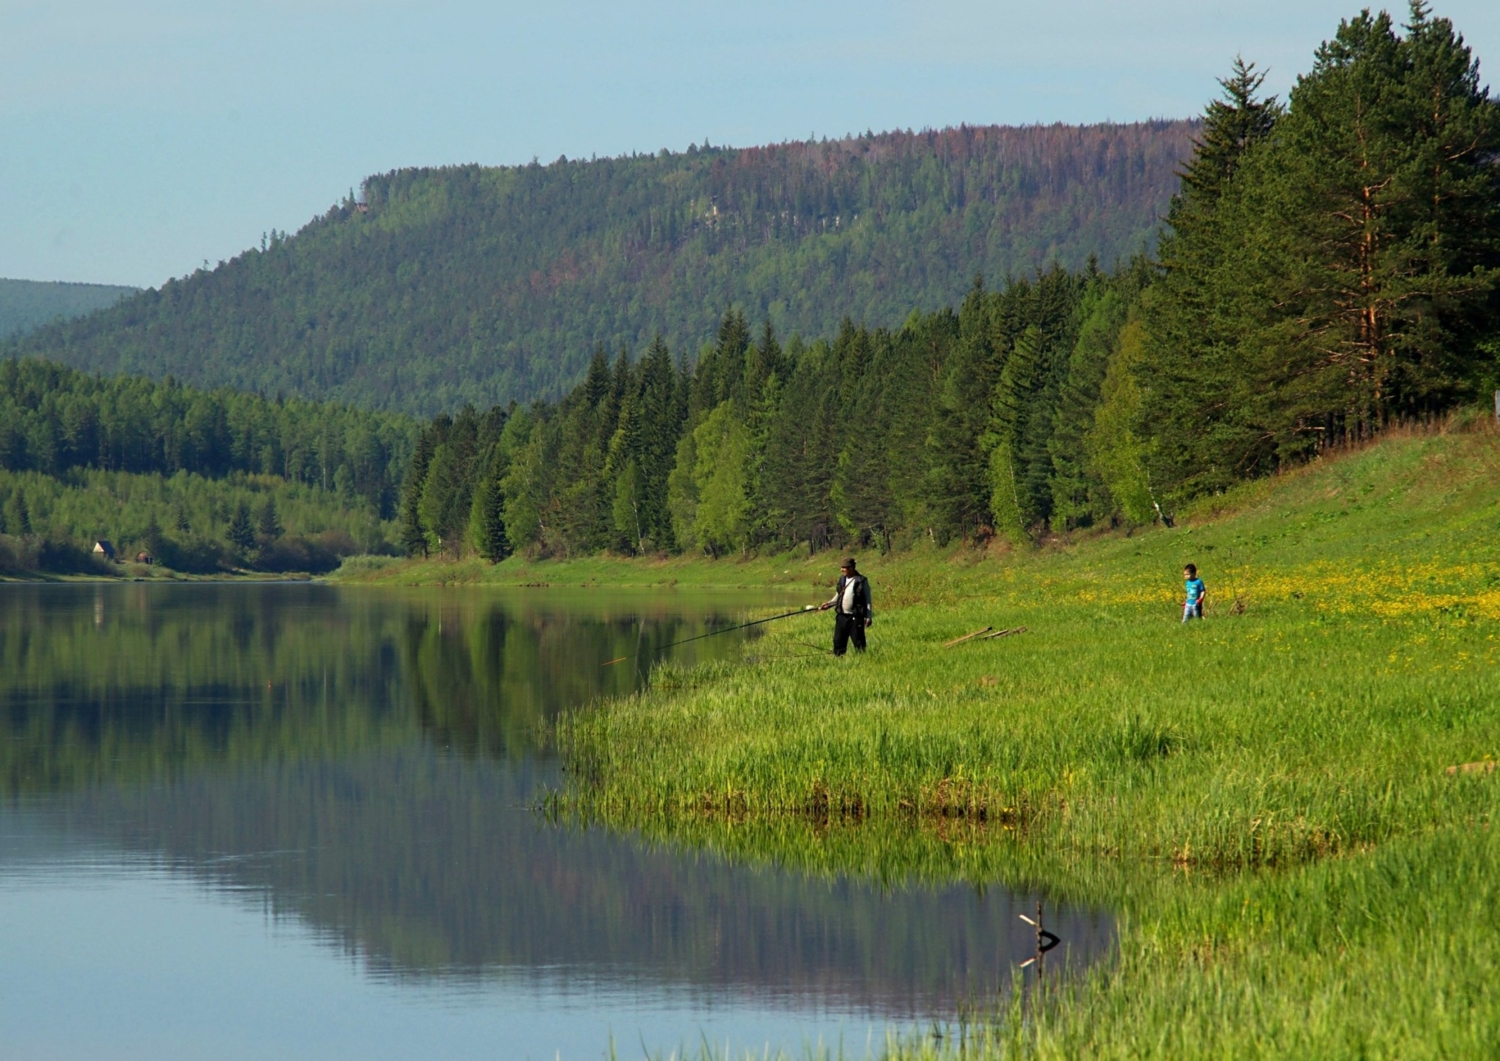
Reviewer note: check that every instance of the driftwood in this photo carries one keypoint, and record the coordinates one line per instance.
(967, 637)
(1484, 766)
(989, 633)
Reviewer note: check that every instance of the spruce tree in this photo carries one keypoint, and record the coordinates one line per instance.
(1192, 396)
(1077, 493)
(241, 532)
(153, 538)
(958, 450)
(17, 514)
(861, 490)
(487, 511)
(1231, 126)
(413, 533)
(658, 428)
(267, 522)
(1011, 502)
(444, 506)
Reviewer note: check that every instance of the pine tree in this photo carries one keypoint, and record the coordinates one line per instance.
(267, 522)
(1192, 397)
(487, 512)
(241, 532)
(682, 492)
(1013, 408)
(957, 479)
(153, 538)
(17, 514)
(658, 428)
(1054, 318)
(1078, 497)
(861, 491)
(443, 506)
(1116, 452)
(413, 533)
(526, 483)
(1231, 126)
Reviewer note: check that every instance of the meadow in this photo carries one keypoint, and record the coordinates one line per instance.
(1264, 797)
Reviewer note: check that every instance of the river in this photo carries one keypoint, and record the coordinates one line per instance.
(297, 821)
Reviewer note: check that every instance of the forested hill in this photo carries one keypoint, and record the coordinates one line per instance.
(28, 304)
(479, 284)
(1331, 266)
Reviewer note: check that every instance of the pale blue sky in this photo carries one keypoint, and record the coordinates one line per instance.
(139, 138)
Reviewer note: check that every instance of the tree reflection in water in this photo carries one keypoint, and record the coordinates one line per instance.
(363, 760)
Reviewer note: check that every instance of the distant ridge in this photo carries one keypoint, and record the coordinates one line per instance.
(29, 304)
(483, 284)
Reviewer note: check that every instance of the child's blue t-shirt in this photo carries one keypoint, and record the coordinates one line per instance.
(1194, 589)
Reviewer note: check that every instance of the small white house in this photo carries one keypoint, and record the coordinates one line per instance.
(104, 548)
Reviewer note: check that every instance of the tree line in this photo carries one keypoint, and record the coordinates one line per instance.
(202, 480)
(1329, 265)
(185, 521)
(54, 419)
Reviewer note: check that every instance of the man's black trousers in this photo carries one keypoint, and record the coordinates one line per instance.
(845, 627)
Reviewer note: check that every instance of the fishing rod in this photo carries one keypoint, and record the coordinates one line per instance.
(727, 630)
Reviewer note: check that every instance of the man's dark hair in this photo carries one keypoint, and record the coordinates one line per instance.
(1191, 569)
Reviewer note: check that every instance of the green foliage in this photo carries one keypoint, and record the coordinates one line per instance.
(487, 516)
(1113, 448)
(626, 510)
(188, 522)
(1330, 267)
(267, 523)
(17, 514)
(54, 419)
(484, 285)
(874, 438)
(1339, 273)
(240, 533)
(720, 454)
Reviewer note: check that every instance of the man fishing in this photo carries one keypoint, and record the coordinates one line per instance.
(852, 599)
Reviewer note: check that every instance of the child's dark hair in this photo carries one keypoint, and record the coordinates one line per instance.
(1191, 569)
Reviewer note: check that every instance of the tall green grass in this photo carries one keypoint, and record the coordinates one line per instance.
(1262, 796)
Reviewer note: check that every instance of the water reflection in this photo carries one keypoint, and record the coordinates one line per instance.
(359, 763)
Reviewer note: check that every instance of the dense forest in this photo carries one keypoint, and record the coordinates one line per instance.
(437, 287)
(205, 479)
(29, 304)
(1330, 266)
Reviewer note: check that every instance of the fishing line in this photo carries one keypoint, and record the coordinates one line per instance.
(727, 630)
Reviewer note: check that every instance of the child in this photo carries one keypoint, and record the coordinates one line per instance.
(1192, 608)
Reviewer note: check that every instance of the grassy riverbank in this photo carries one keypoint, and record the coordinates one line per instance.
(794, 571)
(1263, 797)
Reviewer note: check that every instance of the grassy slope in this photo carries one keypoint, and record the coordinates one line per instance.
(1262, 796)
(794, 572)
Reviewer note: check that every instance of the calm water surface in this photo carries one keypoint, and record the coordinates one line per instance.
(292, 821)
